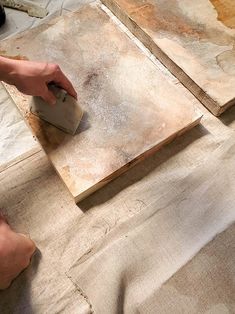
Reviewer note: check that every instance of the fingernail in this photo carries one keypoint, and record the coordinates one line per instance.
(26, 235)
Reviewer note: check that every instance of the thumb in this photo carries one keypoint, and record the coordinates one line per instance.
(49, 97)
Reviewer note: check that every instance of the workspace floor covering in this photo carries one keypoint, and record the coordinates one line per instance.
(159, 239)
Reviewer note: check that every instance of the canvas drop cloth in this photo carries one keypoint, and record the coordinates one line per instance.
(159, 239)
(132, 269)
(119, 258)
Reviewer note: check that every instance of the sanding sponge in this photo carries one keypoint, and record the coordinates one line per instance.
(66, 114)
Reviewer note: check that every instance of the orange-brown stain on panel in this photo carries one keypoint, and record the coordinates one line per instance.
(160, 18)
(49, 136)
(155, 17)
(3, 53)
(226, 11)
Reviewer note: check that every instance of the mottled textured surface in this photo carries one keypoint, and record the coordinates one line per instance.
(35, 201)
(131, 108)
(194, 39)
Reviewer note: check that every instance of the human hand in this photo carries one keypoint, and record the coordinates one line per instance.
(32, 78)
(15, 253)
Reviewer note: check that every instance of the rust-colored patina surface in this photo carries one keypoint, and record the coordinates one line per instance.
(194, 39)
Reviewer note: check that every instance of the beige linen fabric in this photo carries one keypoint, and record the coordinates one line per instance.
(130, 266)
(204, 285)
(15, 137)
(36, 203)
(158, 241)
(18, 21)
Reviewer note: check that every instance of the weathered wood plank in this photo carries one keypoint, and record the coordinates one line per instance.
(132, 108)
(193, 39)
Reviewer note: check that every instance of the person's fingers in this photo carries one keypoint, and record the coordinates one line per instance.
(28, 245)
(64, 82)
(49, 97)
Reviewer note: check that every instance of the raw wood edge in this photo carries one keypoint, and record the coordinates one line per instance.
(135, 161)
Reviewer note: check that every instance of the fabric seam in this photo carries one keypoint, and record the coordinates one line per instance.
(82, 293)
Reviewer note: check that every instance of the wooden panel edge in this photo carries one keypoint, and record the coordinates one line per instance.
(135, 161)
(187, 82)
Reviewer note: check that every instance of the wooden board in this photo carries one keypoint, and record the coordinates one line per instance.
(132, 108)
(194, 39)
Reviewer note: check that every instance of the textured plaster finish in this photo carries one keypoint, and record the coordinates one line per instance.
(131, 107)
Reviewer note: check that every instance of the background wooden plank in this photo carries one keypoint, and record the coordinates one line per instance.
(194, 39)
(132, 108)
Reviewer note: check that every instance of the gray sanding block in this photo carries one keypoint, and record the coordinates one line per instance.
(66, 114)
